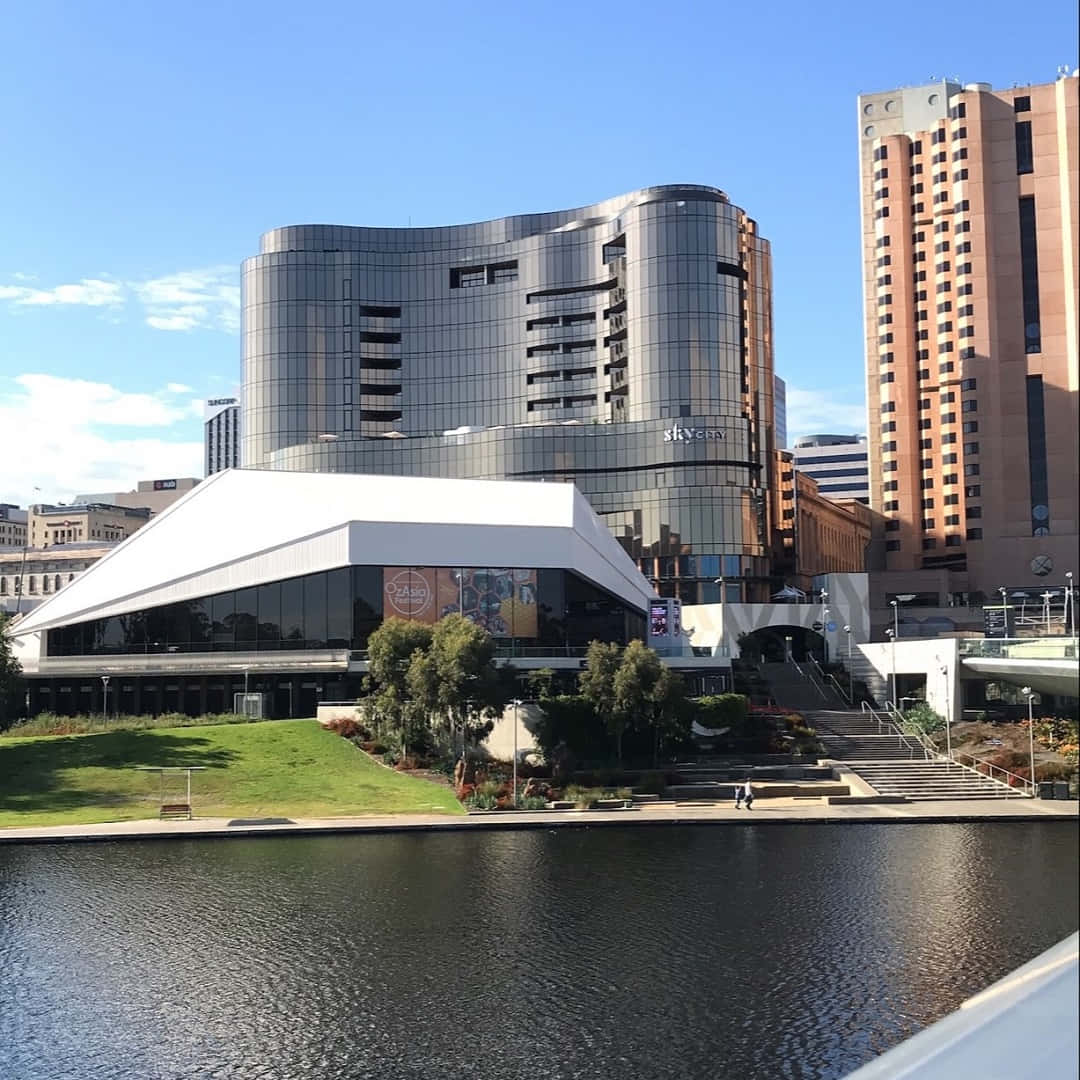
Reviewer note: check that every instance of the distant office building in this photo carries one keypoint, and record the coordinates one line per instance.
(82, 523)
(971, 262)
(779, 394)
(153, 495)
(839, 463)
(221, 434)
(12, 526)
(28, 577)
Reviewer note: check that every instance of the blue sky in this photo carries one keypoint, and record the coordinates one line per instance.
(146, 146)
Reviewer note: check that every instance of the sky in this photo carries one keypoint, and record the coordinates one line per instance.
(145, 147)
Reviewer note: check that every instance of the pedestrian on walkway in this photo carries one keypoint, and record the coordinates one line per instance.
(748, 795)
(738, 796)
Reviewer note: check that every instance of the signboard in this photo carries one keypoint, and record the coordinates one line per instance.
(658, 619)
(998, 621)
(665, 618)
(501, 600)
(164, 485)
(221, 401)
(678, 433)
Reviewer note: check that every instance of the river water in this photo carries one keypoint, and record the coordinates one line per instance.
(754, 951)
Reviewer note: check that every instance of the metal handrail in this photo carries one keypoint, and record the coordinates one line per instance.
(866, 707)
(808, 674)
(929, 749)
(1027, 785)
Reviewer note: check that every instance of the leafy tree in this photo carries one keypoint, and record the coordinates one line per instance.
(10, 679)
(597, 684)
(541, 683)
(470, 691)
(391, 707)
(670, 712)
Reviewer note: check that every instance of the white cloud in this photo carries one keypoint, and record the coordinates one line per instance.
(179, 388)
(817, 412)
(206, 299)
(90, 292)
(192, 299)
(62, 436)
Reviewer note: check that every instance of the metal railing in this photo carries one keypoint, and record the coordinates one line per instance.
(1030, 648)
(866, 707)
(981, 763)
(827, 677)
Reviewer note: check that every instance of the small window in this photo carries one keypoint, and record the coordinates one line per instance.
(970, 427)
(927, 523)
(1022, 104)
(974, 534)
(892, 545)
(974, 511)
(971, 448)
(892, 526)
(951, 500)
(952, 541)
(950, 478)
(468, 277)
(928, 504)
(929, 543)
(971, 405)
(927, 483)
(971, 469)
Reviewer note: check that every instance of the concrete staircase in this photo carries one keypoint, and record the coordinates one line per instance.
(799, 688)
(895, 764)
(941, 779)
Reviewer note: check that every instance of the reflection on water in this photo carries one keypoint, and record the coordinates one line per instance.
(758, 951)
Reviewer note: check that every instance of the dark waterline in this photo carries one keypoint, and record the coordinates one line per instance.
(685, 952)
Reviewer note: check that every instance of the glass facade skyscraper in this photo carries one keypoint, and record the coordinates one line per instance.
(625, 346)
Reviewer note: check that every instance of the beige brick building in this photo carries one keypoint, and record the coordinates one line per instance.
(970, 247)
(83, 523)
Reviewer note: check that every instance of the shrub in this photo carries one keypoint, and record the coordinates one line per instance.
(52, 724)
(348, 727)
(532, 802)
(478, 801)
(925, 717)
(583, 797)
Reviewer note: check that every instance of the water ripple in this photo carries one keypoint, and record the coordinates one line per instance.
(670, 953)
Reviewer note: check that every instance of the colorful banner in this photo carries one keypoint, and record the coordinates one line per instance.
(501, 600)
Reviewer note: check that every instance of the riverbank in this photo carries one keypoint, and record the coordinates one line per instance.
(286, 768)
(774, 812)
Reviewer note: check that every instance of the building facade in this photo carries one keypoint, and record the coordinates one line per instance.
(624, 346)
(221, 434)
(152, 495)
(12, 526)
(82, 523)
(970, 253)
(839, 463)
(283, 604)
(780, 412)
(27, 578)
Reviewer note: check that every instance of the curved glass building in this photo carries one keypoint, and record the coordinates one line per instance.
(625, 346)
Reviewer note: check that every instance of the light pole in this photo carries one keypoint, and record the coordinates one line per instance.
(105, 696)
(1030, 695)
(850, 672)
(516, 702)
(948, 712)
(1046, 598)
(892, 637)
(1070, 601)
(723, 629)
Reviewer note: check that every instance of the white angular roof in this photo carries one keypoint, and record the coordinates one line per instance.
(244, 527)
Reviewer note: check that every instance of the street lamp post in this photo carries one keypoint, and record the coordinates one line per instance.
(723, 629)
(1070, 601)
(948, 712)
(892, 637)
(1030, 695)
(850, 671)
(105, 696)
(516, 703)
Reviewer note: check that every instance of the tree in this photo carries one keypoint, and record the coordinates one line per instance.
(541, 683)
(10, 678)
(597, 683)
(670, 711)
(637, 675)
(391, 706)
(469, 690)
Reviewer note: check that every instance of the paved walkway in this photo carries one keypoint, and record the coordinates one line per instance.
(765, 812)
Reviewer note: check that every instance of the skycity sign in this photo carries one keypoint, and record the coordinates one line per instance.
(677, 433)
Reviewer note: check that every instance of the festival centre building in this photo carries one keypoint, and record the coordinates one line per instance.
(271, 583)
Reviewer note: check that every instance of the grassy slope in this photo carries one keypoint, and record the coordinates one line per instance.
(287, 768)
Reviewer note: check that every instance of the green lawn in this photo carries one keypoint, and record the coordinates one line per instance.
(283, 768)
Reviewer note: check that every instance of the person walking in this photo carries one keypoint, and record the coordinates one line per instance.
(748, 795)
(738, 796)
